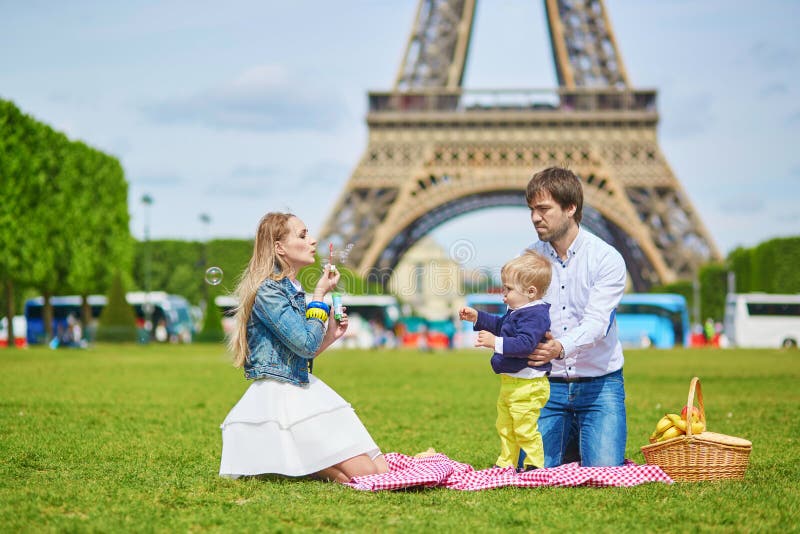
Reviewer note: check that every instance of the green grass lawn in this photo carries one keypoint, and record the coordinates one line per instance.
(127, 438)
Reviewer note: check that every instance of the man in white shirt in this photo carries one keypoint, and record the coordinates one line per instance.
(584, 420)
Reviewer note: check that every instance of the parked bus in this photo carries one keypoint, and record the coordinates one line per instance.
(761, 320)
(372, 320)
(171, 311)
(371, 316)
(486, 302)
(643, 319)
(20, 328)
(63, 307)
(227, 307)
(659, 320)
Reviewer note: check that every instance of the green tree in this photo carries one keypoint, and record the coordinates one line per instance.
(117, 321)
(681, 287)
(230, 255)
(15, 198)
(56, 215)
(178, 267)
(740, 261)
(63, 213)
(212, 331)
(26, 150)
(713, 288)
(116, 243)
(173, 267)
(775, 265)
(349, 282)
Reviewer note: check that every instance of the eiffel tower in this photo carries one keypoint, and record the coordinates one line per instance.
(437, 151)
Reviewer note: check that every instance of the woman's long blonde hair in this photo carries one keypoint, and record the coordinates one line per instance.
(263, 264)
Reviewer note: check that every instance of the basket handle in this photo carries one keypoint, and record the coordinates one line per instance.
(694, 386)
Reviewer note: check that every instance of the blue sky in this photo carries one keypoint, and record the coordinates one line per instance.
(238, 108)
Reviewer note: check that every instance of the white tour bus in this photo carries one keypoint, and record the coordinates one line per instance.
(383, 310)
(761, 320)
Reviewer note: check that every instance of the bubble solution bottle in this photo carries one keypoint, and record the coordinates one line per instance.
(337, 305)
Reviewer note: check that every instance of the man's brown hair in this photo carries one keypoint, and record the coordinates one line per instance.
(562, 185)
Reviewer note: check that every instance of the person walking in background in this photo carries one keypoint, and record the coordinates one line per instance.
(709, 331)
(289, 422)
(584, 419)
(523, 389)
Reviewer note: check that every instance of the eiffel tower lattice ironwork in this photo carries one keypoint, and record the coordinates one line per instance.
(436, 151)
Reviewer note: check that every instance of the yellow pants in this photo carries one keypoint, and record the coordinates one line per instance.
(518, 407)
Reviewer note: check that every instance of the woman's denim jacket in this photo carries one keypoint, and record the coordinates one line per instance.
(280, 338)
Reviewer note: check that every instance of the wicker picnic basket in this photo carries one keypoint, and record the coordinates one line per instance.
(704, 456)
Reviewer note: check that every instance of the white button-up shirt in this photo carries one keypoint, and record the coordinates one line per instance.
(584, 293)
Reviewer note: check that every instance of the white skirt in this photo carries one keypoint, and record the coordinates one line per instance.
(280, 428)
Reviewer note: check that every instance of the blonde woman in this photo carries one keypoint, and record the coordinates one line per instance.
(289, 422)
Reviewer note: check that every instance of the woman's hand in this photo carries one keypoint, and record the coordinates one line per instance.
(327, 282)
(335, 330)
(338, 328)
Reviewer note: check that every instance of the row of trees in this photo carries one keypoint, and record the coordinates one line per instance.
(63, 213)
(179, 266)
(770, 267)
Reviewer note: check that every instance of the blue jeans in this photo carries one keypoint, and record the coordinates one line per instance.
(585, 422)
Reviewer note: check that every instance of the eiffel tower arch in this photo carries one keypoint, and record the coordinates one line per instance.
(436, 151)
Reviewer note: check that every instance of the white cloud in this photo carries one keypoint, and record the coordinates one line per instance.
(156, 180)
(249, 171)
(263, 98)
(695, 118)
(774, 56)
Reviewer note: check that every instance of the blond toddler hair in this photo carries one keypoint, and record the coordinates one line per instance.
(528, 269)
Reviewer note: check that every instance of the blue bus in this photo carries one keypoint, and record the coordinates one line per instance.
(170, 310)
(659, 320)
(486, 302)
(63, 307)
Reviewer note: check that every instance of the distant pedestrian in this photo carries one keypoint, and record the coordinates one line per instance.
(709, 330)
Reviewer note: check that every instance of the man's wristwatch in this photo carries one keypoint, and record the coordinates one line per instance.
(561, 354)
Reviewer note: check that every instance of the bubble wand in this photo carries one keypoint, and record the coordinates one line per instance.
(336, 296)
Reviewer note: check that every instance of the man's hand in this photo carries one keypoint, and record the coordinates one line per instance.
(545, 351)
(485, 339)
(468, 314)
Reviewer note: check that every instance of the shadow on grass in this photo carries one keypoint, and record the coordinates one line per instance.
(273, 478)
(286, 480)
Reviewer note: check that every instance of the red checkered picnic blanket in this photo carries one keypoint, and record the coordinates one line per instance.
(439, 470)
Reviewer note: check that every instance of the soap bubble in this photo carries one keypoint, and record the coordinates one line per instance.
(214, 275)
(344, 254)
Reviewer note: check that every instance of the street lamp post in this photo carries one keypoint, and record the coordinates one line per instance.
(205, 218)
(147, 201)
